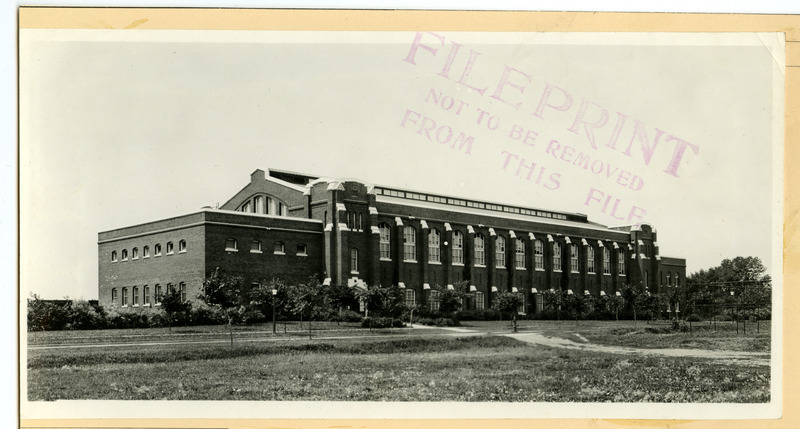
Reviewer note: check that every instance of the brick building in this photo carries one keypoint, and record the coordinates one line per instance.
(292, 226)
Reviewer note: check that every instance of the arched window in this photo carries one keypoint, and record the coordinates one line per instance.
(590, 259)
(409, 244)
(170, 248)
(538, 248)
(182, 246)
(500, 252)
(246, 207)
(606, 261)
(519, 262)
(411, 298)
(158, 250)
(556, 256)
(458, 248)
(135, 295)
(385, 241)
(124, 254)
(433, 302)
(573, 258)
(433, 246)
(271, 206)
(354, 261)
(146, 252)
(480, 248)
(479, 301)
(114, 256)
(258, 203)
(621, 262)
(676, 280)
(135, 253)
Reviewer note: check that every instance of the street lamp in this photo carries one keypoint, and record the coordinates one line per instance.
(274, 295)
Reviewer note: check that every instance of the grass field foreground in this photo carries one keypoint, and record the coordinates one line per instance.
(480, 368)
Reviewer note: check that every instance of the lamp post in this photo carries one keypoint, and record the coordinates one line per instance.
(274, 295)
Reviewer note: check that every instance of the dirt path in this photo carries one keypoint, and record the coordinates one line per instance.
(746, 358)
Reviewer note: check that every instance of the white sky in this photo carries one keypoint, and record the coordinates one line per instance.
(120, 131)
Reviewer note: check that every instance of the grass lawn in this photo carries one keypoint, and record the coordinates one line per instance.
(480, 368)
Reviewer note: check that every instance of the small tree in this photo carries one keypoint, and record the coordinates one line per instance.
(552, 301)
(223, 291)
(613, 303)
(340, 297)
(172, 305)
(310, 299)
(575, 304)
(450, 300)
(632, 296)
(508, 302)
(262, 299)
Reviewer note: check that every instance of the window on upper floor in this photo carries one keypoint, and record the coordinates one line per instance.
(255, 246)
(409, 244)
(606, 261)
(135, 253)
(280, 248)
(258, 204)
(157, 250)
(124, 254)
(557, 258)
(170, 248)
(146, 252)
(573, 258)
(538, 255)
(182, 246)
(458, 248)
(113, 256)
(500, 252)
(385, 241)
(231, 245)
(621, 262)
(590, 259)
(480, 250)
(519, 247)
(302, 250)
(434, 246)
(135, 296)
(354, 261)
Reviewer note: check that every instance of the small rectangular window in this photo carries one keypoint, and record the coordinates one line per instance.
(302, 250)
(255, 246)
(231, 245)
(280, 249)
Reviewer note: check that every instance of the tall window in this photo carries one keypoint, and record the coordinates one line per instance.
(411, 298)
(621, 262)
(479, 301)
(385, 241)
(170, 248)
(182, 246)
(409, 243)
(669, 279)
(606, 261)
(480, 248)
(146, 252)
(676, 279)
(500, 252)
(458, 248)
(135, 294)
(433, 246)
(538, 255)
(646, 278)
(258, 202)
(158, 250)
(114, 256)
(434, 300)
(573, 258)
(520, 249)
(124, 254)
(354, 260)
(590, 259)
(556, 256)
(157, 295)
(521, 307)
(146, 295)
(113, 296)
(182, 290)
(135, 253)
(124, 297)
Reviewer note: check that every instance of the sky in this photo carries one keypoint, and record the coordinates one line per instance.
(121, 128)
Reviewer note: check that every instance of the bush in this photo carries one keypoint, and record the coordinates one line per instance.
(381, 322)
(694, 317)
(441, 321)
(349, 316)
(488, 314)
(82, 315)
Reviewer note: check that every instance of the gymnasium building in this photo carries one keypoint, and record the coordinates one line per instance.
(292, 226)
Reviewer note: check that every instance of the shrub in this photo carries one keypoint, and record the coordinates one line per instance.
(349, 316)
(694, 317)
(82, 315)
(381, 322)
